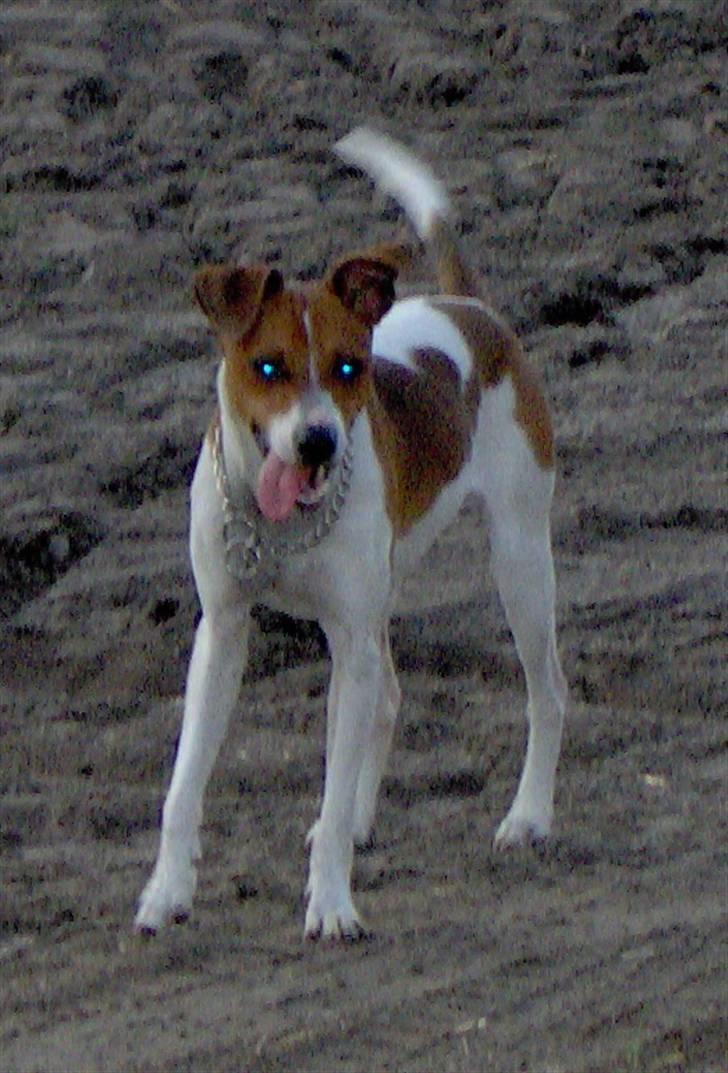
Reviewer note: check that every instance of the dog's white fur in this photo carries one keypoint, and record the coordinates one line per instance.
(348, 582)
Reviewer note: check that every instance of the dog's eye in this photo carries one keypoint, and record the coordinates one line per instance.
(347, 370)
(271, 370)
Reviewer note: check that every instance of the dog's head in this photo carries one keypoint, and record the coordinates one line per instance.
(297, 364)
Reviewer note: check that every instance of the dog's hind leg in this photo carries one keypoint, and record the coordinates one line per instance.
(524, 574)
(380, 743)
(376, 750)
(518, 497)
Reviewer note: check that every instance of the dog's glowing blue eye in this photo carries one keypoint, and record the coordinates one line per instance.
(348, 369)
(270, 370)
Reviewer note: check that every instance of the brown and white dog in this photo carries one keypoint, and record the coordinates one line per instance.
(350, 428)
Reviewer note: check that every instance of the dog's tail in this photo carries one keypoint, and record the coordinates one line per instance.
(399, 173)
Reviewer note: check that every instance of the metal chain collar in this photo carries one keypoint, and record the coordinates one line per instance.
(254, 547)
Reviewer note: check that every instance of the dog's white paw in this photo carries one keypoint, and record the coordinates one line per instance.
(330, 914)
(522, 827)
(333, 919)
(167, 897)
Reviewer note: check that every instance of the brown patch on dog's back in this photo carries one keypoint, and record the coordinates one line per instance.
(423, 423)
(498, 353)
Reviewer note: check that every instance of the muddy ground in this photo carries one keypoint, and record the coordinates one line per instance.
(585, 144)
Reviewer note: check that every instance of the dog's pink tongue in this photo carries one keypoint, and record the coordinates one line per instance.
(279, 486)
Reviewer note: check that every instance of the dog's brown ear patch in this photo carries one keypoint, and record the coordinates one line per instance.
(364, 283)
(231, 297)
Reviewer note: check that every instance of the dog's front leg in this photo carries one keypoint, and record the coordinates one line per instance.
(213, 682)
(356, 681)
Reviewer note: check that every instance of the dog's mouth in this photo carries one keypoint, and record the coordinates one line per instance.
(282, 486)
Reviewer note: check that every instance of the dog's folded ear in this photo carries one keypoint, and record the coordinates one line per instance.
(231, 297)
(364, 283)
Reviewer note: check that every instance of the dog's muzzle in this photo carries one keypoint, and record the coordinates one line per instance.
(304, 480)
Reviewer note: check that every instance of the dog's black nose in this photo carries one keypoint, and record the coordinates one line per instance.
(317, 446)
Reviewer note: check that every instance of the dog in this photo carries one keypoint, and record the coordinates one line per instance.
(349, 429)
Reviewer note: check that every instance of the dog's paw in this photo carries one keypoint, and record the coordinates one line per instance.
(166, 899)
(330, 914)
(521, 828)
(333, 922)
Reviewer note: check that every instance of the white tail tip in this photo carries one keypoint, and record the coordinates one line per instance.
(399, 173)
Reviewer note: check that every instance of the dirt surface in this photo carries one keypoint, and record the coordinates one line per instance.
(585, 144)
